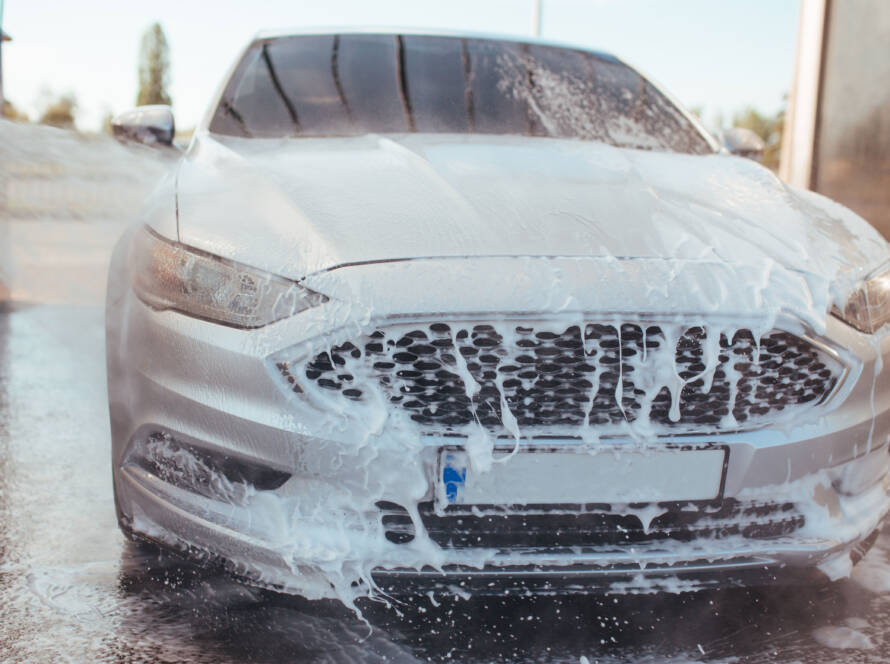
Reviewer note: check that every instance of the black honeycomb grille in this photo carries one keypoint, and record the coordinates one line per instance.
(546, 378)
(556, 526)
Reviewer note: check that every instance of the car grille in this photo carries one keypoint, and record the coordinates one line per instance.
(551, 376)
(565, 526)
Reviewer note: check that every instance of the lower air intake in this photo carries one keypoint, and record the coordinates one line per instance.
(566, 526)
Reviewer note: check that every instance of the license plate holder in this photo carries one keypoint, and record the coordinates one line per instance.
(610, 474)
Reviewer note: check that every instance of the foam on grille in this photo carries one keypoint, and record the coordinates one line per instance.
(505, 375)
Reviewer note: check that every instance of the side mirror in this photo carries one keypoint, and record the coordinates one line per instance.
(742, 142)
(148, 125)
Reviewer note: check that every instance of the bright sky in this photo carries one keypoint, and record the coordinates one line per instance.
(721, 56)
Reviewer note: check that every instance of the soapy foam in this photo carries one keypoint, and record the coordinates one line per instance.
(843, 638)
(718, 238)
(337, 540)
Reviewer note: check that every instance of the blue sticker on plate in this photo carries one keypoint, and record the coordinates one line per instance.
(453, 478)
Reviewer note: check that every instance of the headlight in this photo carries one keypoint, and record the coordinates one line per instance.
(168, 275)
(868, 308)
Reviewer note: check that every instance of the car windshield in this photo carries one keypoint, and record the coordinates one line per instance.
(353, 84)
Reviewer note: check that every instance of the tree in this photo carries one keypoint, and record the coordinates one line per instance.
(106, 123)
(769, 128)
(154, 68)
(10, 112)
(60, 112)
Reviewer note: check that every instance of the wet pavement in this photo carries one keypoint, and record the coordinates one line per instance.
(73, 589)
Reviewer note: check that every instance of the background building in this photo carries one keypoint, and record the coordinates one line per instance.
(837, 139)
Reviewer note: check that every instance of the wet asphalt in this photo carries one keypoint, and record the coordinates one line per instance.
(73, 589)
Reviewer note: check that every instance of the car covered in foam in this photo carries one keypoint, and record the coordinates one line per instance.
(484, 314)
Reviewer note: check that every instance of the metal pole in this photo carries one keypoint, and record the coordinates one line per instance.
(536, 26)
(2, 103)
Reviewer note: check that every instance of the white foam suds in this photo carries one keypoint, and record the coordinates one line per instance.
(333, 537)
(842, 638)
(401, 231)
(872, 575)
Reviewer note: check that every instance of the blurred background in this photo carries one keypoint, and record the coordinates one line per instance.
(837, 135)
(82, 60)
(804, 75)
(808, 77)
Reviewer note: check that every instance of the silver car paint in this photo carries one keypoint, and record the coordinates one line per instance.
(537, 221)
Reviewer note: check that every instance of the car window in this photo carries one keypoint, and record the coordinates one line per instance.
(345, 85)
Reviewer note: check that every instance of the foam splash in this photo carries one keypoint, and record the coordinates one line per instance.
(842, 638)
(335, 541)
(402, 468)
(576, 234)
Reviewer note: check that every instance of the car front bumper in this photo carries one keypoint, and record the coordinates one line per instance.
(319, 533)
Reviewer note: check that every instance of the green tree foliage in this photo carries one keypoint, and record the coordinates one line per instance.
(768, 127)
(60, 112)
(154, 68)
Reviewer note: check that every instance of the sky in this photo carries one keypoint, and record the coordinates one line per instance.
(720, 56)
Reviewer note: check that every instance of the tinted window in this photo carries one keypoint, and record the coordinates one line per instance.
(341, 85)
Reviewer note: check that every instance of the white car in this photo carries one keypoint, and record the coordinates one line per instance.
(477, 314)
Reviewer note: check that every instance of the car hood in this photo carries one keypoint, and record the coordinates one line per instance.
(299, 207)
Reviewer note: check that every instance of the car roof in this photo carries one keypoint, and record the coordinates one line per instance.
(427, 32)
